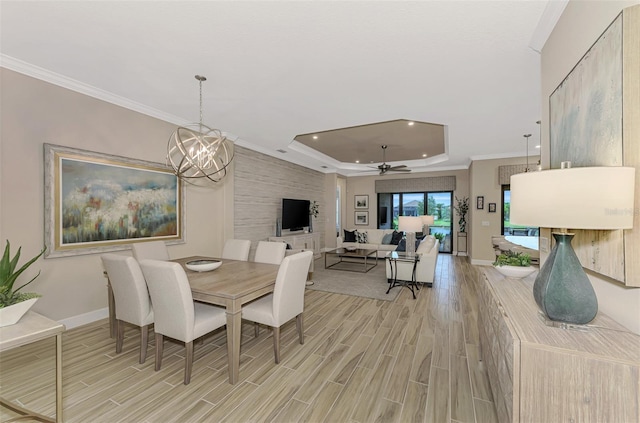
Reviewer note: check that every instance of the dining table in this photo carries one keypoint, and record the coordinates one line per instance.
(231, 285)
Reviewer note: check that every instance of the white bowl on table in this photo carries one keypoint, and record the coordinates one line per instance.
(203, 265)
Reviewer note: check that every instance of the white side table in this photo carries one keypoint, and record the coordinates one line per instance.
(31, 328)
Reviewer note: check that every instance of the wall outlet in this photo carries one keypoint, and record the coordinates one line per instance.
(485, 223)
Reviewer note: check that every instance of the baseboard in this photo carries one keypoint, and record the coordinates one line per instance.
(481, 262)
(84, 319)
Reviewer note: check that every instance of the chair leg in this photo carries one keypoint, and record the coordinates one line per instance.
(188, 361)
(256, 329)
(119, 335)
(159, 349)
(300, 327)
(144, 342)
(276, 344)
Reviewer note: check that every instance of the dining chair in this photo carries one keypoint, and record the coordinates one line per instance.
(177, 315)
(286, 301)
(153, 250)
(270, 252)
(236, 249)
(131, 297)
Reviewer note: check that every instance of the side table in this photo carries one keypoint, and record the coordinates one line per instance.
(394, 257)
(31, 328)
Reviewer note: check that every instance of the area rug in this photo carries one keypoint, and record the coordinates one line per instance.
(372, 284)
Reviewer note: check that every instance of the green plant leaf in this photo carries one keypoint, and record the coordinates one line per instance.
(8, 274)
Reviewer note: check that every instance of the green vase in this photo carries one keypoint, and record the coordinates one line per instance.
(562, 289)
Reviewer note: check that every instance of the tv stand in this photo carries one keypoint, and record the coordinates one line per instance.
(308, 241)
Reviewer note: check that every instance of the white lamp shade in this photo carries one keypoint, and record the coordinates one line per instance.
(427, 220)
(575, 198)
(410, 223)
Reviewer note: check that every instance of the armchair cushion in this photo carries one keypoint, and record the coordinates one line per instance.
(386, 239)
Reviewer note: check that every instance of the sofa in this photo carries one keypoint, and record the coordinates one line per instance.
(428, 250)
(374, 241)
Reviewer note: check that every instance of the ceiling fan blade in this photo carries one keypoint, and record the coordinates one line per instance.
(397, 167)
(399, 170)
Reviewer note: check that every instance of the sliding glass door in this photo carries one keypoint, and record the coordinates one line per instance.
(438, 204)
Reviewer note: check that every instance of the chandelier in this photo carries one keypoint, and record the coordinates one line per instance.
(197, 153)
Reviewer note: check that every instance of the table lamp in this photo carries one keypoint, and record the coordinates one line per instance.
(410, 225)
(427, 221)
(573, 198)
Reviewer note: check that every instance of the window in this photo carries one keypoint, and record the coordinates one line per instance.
(438, 204)
(507, 227)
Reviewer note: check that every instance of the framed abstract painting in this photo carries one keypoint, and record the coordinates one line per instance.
(97, 202)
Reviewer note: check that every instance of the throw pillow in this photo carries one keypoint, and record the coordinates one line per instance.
(396, 237)
(402, 245)
(386, 239)
(362, 237)
(350, 236)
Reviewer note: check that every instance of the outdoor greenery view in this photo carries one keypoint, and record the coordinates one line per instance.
(438, 205)
(509, 228)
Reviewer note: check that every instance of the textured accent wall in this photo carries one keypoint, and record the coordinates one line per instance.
(439, 183)
(260, 184)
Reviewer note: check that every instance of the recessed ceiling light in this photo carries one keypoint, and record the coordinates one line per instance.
(410, 123)
(424, 155)
(324, 167)
(315, 137)
(357, 161)
(537, 146)
(281, 151)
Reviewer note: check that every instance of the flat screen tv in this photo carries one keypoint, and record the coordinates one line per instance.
(295, 214)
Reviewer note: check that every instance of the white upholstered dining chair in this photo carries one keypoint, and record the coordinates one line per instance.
(236, 249)
(270, 252)
(131, 297)
(152, 250)
(286, 301)
(176, 314)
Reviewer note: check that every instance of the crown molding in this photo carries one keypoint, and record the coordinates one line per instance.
(42, 74)
(547, 22)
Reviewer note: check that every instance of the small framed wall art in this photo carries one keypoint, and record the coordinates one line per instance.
(362, 218)
(492, 207)
(480, 202)
(362, 202)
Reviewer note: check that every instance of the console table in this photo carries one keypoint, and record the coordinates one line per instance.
(308, 241)
(540, 373)
(34, 327)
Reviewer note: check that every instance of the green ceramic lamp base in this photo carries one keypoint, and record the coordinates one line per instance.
(562, 289)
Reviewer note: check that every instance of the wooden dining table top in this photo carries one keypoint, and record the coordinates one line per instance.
(234, 279)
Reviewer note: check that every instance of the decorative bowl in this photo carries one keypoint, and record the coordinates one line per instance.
(351, 248)
(203, 265)
(515, 271)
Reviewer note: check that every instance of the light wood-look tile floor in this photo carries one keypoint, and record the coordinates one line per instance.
(363, 360)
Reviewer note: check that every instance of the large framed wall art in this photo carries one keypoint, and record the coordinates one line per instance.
(97, 202)
(594, 120)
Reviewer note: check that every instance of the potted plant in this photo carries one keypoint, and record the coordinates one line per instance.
(462, 208)
(514, 264)
(314, 210)
(14, 304)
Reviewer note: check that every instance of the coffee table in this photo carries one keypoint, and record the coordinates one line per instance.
(346, 258)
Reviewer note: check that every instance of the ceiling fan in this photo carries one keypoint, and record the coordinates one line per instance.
(384, 167)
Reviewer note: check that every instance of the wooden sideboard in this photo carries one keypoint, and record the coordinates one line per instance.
(308, 241)
(540, 373)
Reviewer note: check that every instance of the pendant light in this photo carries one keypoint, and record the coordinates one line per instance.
(197, 153)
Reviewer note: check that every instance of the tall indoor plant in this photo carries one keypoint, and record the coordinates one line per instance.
(14, 304)
(462, 207)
